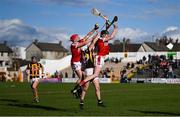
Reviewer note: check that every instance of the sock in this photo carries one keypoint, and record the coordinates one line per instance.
(76, 86)
(81, 101)
(82, 83)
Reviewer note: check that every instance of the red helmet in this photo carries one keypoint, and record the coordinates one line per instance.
(73, 37)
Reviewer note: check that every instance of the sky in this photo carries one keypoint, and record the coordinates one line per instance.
(55, 20)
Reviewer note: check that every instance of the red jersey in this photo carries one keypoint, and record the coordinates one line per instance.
(76, 53)
(103, 47)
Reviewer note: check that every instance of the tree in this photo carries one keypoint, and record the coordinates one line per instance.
(177, 41)
(116, 42)
(126, 41)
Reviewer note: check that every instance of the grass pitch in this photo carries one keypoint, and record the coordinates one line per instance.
(120, 99)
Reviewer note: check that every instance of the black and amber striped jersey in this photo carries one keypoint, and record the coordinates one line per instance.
(89, 59)
(34, 69)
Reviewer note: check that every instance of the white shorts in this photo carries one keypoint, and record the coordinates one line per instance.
(76, 66)
(34, 79)
(90, 71)
(99, 60)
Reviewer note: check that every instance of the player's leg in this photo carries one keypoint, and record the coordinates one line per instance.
(88, 78)
(96, 74)
(98, 91)
(77, 68)
(88, 71)
(98, 66)
(34, 87)
(97, 88)
(84, 91)
(79, 74)
(76, 91)
(85, 88)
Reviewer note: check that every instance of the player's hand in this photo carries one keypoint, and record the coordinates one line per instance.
(96, 26)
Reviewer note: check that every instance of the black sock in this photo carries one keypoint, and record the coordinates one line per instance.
(81, 101)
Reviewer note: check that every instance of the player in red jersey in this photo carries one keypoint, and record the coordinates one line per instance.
(76, 50)
(88, 61)
(103, 50)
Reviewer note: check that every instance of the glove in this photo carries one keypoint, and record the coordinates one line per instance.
(96, 26)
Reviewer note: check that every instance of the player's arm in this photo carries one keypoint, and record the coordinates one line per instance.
(28, 69)
(42, 69)
(96, 26)
(88, 40)
(89, 34)
(113, 33)
(81, 44)
(91, 46)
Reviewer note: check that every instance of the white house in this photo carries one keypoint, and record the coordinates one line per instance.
(5, 55)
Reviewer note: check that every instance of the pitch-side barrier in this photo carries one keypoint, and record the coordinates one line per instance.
(108, 80)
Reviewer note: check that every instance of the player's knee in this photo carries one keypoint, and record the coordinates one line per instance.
(34, 87)
(96, 75)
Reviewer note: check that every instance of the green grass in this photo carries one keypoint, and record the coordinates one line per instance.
(120, 99)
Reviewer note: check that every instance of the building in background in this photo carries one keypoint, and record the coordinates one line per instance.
(5, 55)
(19, 52)
(50, 51)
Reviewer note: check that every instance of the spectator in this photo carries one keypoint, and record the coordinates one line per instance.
(149, 58)
(61, 75)
(116, 60)
(138, 70)
(128, 66)
(144, 59)
(56, 74)
(170, 71)
(132, 65)
(123, 77)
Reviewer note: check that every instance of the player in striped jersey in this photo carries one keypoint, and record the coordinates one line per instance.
(35, 72)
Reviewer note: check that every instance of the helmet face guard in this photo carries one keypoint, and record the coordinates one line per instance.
(34, 59)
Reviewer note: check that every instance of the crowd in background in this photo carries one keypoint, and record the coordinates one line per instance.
(162, 67)
(156, 67)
